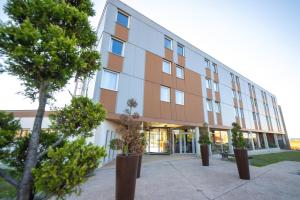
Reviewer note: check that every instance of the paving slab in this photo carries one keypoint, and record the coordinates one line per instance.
(184, 178)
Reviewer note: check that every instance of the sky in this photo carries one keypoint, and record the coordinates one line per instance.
(260, 39)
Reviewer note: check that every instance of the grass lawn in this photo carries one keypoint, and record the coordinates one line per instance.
(266, 159)
(7, 191)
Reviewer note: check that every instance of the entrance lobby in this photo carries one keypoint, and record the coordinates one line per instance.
(170, 141)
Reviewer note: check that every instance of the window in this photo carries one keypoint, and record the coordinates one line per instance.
(164, 94)
(232, 77)
(207, 63)
(216, 87)
(180, 49)
(257, 117)
(253, 89)
(168, 43)
(214, 66)
(242, 113)
(240, 96)
(236, 110)
(233, 94)
(263, 95)
(166, 67)
(218, 107)
(123, 18)
(254, 116)
(208, 83)
(255, 103)
(250, 90)
(179, 97)
(117, 46)
(252, 101)
(179, 72)
(237, 80)
(209, 105)
(110, 80)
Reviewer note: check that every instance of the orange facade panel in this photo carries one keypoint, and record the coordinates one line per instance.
(151, 100)
(153, 67)
(210, 118)
(219, 119)
(189, 113)
(115, 62)
(121, 32)
(209, 93)
(169, 54)
(217, 96)
(181, 60)
(208, 73)
(108, 100)
(216, 77)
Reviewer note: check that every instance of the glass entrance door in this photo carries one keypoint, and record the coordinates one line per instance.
(183, 142)
(158, 141)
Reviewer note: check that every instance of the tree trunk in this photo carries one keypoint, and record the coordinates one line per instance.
(26, 184)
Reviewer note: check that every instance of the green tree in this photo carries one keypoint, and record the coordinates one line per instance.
(237, 136)
(64, 157)
(46, 43)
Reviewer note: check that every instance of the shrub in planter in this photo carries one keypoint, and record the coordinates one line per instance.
(204, 142)
(240, 152)
(132, 146)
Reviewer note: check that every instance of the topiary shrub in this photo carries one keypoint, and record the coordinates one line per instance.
(237, 136)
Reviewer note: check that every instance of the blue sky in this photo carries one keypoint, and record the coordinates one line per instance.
(258, 38)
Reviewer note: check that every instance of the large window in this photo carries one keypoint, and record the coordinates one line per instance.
(232, 77)
(168, 43)
(233, 93)
(123, 18)
(242, 112)
(236, 111)
(216, 87)
(214, 68)
(237, 80)
(179, 72)
(240, 96)
(180, 49)
(208, 83)
(209, 105)
(164, 94)
(217, 107)
(117, 46)
(207, 62)
(166, 67)
(179, 97)
(110, 80)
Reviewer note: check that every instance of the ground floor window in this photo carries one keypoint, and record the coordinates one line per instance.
(110, 153)
(219, 141)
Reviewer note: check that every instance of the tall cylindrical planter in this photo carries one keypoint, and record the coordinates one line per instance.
(241, 157)
(204, 154)
(139, 166)
(126, 172)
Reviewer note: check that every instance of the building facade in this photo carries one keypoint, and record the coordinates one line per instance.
(178, 88)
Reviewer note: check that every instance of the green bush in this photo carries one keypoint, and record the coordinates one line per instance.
(67, 167)
(237, 136)
(204, 137)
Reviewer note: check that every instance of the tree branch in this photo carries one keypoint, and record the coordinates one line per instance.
(58, 142)
(9, 179)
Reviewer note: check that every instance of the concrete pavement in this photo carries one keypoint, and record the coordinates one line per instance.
(184, 178)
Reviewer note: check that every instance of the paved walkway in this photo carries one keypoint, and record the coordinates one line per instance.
(184, 178)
